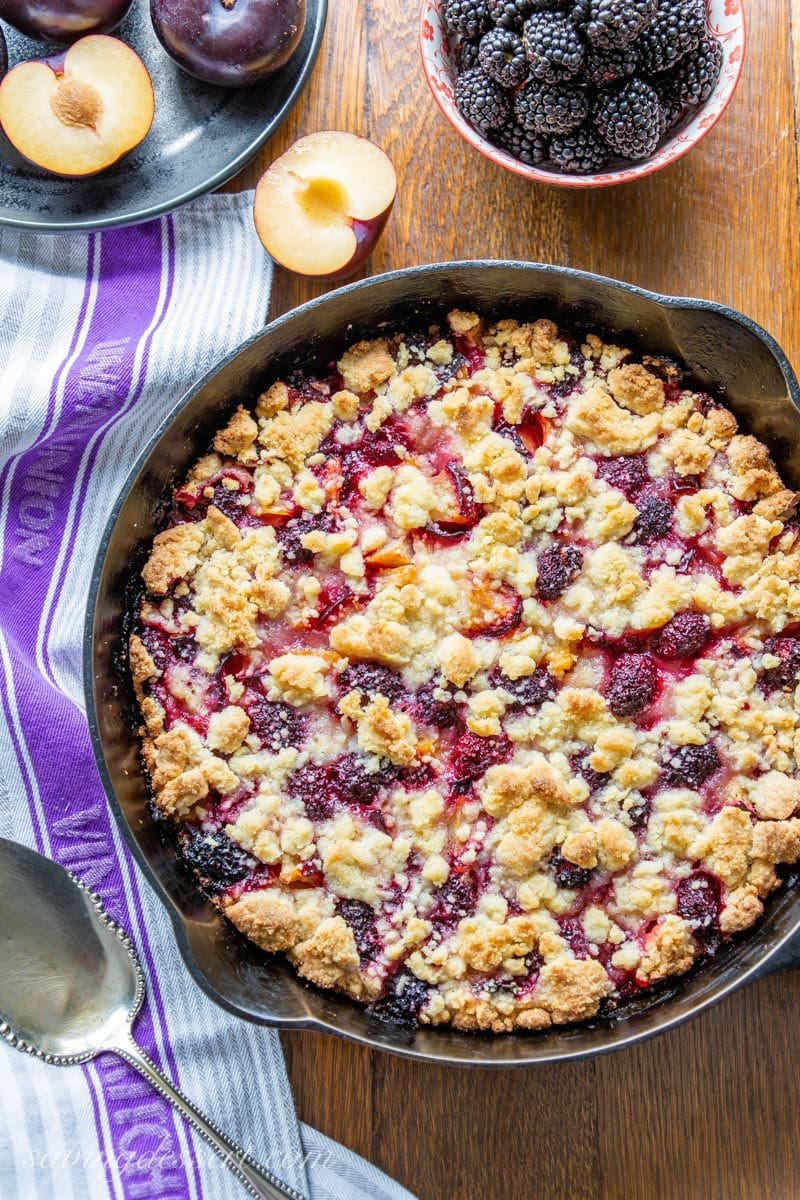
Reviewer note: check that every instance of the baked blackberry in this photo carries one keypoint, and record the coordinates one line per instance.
(628, 119)
(615, 23)
(551, 108)
(580, 152)
(218, 861)
(467, 54)
(470, 18)
(695, 76)
(553, 46)
(510, 14)
(604, 67)
(676, 29)
(480, 100)
(529, 148)
(503, 58)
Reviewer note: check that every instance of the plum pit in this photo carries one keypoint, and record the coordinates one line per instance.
(324, 201)
(75, 102)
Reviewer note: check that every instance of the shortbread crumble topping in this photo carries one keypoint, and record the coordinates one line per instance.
(468, 673)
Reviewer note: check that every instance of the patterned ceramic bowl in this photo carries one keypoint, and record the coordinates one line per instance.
(725, 20)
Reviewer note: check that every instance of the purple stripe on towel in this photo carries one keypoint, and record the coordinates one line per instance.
(100, 386)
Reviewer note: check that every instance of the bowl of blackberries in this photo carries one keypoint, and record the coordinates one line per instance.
(583, 93)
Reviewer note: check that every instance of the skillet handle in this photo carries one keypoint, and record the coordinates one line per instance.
(787, 959)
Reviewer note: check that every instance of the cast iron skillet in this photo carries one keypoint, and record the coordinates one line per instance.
(722, 348)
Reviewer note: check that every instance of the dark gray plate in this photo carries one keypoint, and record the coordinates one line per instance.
(201, 137)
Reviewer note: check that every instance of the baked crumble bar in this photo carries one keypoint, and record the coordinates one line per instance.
(467, 672)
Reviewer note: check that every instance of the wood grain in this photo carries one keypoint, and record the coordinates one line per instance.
(709, 1111)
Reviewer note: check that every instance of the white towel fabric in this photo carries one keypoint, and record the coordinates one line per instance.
(99, 335)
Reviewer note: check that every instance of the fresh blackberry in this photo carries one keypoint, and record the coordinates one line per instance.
(672, 109)
(581, 10)
(628, 119)
(480, 100)
(553, 46)
(580, 152)
(633, 684)
(217, 860)
(470, 18)
(689, 766)
(467, 54)
(604, 67)
(529, 148)
(695, 76)
(616, 23)
(551, 108)
(510, 14)
(676, 29)
(503, 58)
(557, 568)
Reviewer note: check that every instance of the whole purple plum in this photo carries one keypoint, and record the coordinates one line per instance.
(63, 20)
(229, 42)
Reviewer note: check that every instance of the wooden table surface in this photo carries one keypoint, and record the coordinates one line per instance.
(712, 1110)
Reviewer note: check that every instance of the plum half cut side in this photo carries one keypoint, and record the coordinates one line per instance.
(81, 111)
(321, 206)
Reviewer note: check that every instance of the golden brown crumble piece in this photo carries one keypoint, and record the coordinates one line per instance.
(366, 365)
(175, 555)
(239, 434)
(636, 389)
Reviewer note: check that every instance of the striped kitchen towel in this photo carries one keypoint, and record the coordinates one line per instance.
(99, 335)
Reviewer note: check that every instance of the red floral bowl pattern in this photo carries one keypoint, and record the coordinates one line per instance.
(725, 20)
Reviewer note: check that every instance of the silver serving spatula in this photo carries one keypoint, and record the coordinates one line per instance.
(71, 985)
